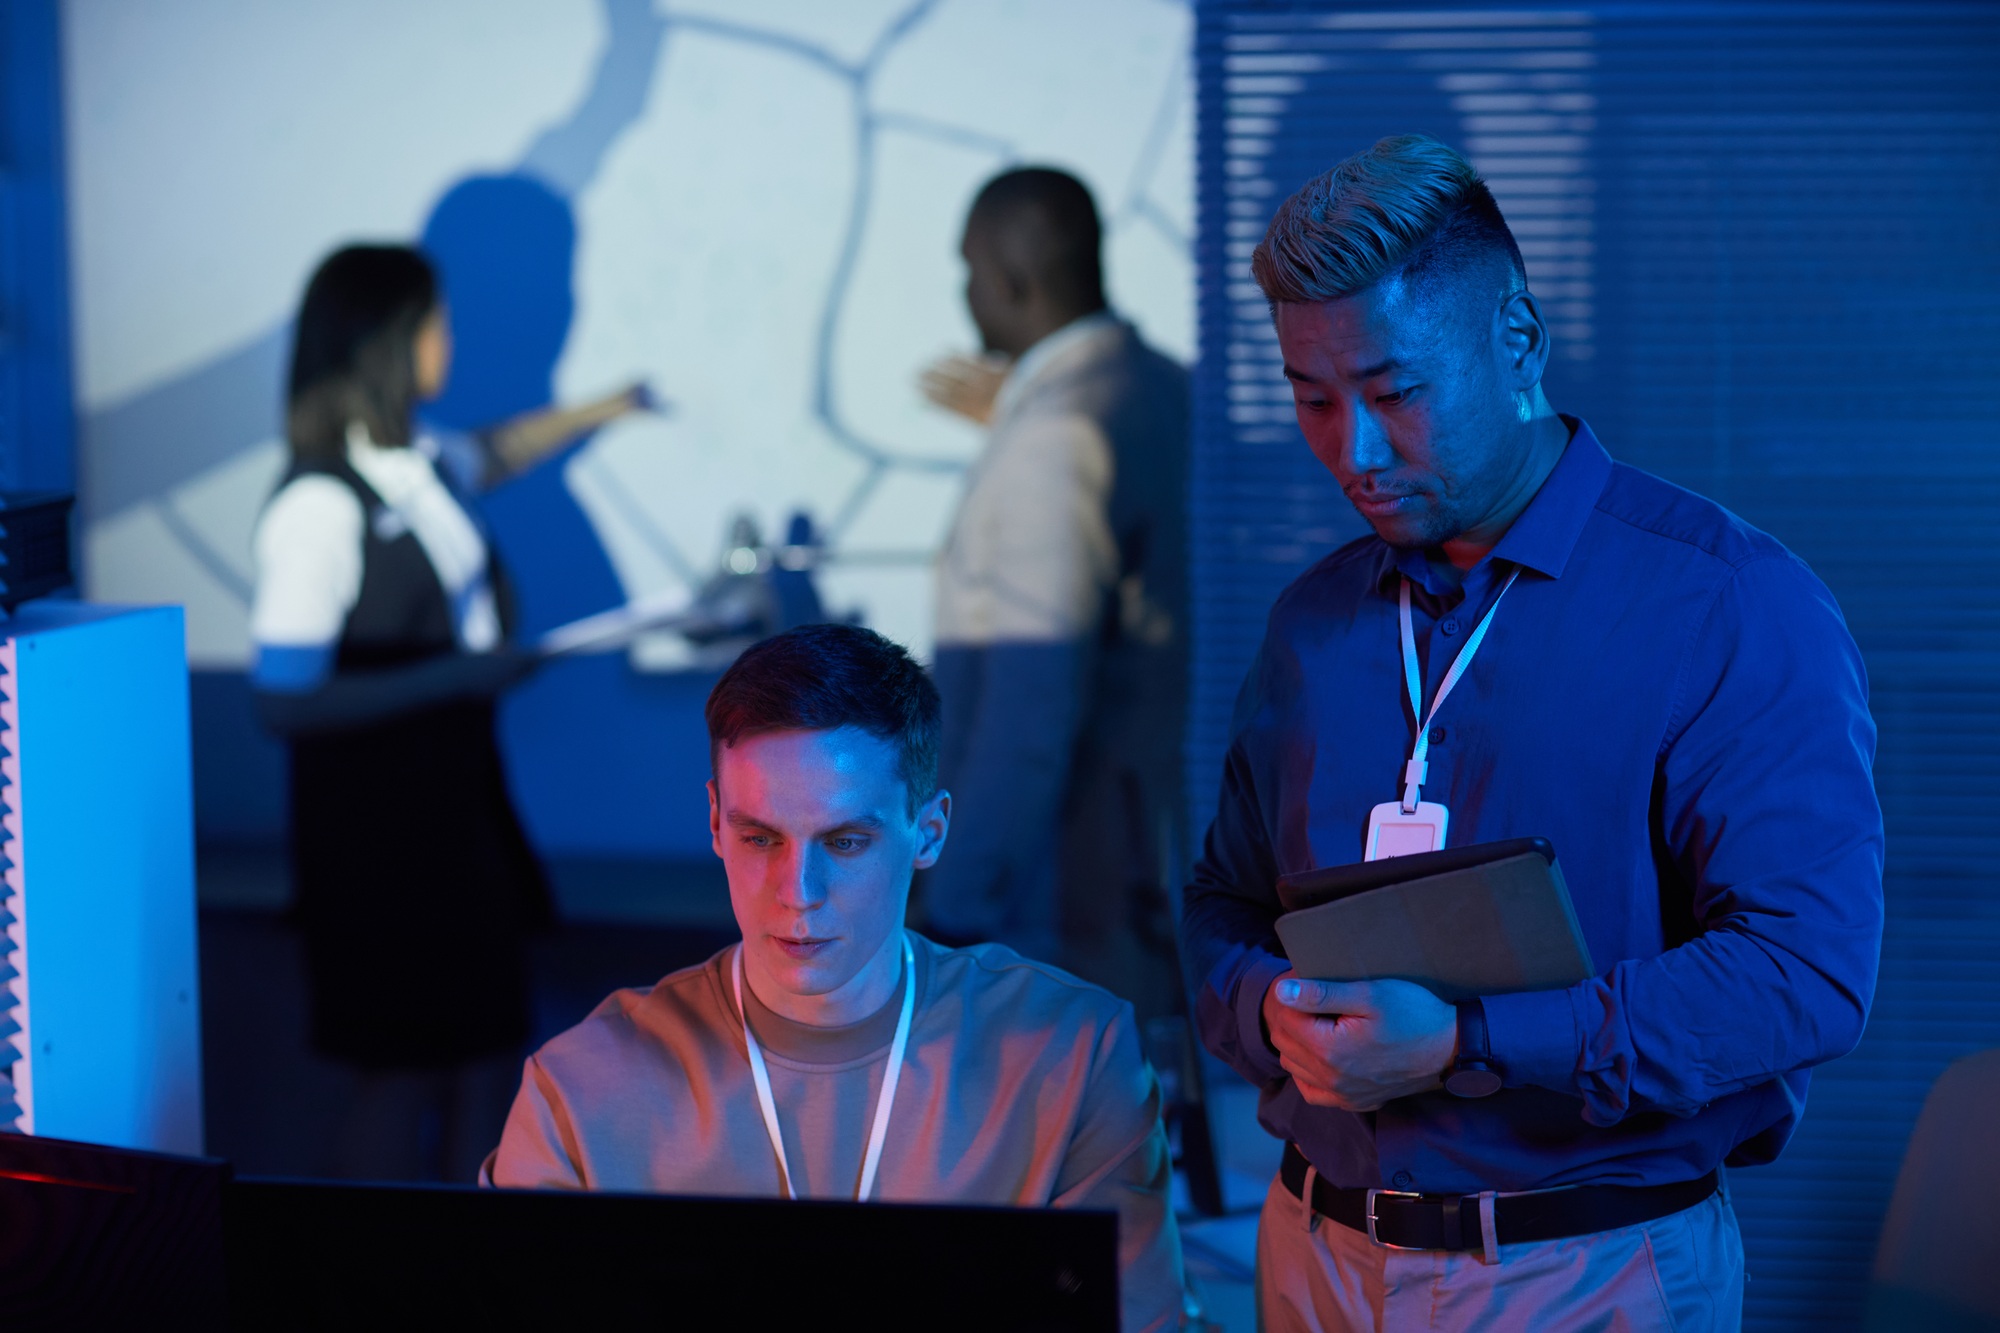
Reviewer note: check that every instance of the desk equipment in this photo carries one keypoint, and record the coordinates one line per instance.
(96, 1237)
(34, 545)
(1934, 1269)
(314, 1255)
(100, 1029)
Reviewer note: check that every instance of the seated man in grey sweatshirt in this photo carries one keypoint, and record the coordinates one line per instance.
(833, 1053)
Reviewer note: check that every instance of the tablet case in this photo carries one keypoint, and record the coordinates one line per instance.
(1483, 920)
(1310, 888)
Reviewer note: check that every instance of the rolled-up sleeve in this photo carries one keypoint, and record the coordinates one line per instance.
(1768, 809)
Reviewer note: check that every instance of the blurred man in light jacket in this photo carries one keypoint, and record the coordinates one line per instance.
(1062, 607)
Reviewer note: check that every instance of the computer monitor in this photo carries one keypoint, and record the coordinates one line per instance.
(318, 1255)
(95, 1237)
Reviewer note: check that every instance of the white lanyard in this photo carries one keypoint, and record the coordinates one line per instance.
(1419, 766)
(762, 1077)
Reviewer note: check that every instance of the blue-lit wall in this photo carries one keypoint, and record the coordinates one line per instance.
(753, 208)
(36, 416)
(1764, 237)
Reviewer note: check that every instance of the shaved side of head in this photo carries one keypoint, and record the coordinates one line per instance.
(1409, 208)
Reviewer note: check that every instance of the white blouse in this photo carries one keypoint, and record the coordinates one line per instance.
(308, 548)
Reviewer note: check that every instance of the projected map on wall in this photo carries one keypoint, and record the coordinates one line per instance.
(755, 204)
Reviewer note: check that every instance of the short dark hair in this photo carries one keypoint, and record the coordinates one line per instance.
(819, 677)
(1409, 205)
(1057, 230)
(353, 352)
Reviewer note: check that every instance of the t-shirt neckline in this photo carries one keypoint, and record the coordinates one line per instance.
(802, 1043)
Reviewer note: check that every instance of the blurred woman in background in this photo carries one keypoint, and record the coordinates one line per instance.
(380, 625)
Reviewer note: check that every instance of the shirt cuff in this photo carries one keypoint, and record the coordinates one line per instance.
(292, 668)
(1533, 1036)
(1256, 1047)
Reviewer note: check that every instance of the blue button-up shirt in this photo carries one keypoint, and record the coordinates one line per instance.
(1672, 699)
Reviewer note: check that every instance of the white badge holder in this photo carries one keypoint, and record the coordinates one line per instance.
(1393, 833)
(1412, 825)
(766, 1105)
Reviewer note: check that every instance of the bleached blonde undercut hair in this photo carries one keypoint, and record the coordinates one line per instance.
(1410, 205)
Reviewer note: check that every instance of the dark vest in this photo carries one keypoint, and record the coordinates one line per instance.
(416, 888)
(402, 614)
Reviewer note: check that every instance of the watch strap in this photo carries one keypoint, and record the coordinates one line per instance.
(1473, 1072)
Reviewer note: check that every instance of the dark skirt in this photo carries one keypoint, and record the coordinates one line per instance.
(416, 891)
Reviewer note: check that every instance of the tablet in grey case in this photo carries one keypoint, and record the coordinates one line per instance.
(1472, 926)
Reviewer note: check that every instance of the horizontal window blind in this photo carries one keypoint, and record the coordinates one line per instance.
(1764, 237)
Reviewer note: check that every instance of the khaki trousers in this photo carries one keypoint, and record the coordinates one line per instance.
(1682, 1273)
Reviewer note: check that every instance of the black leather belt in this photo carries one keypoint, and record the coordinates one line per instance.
(1402, 1220)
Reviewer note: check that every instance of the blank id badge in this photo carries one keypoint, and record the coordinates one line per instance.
(1393, 833)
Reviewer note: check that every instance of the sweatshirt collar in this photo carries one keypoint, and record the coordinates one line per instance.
(802, 1043)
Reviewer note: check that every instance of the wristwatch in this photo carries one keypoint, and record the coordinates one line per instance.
(1473, 1073)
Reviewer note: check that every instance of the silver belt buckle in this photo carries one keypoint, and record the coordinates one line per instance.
(1373, 1239)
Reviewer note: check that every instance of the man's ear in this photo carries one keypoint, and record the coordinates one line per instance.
(933, 824)
(1524, 340)
(1019, 284)
(714, 817)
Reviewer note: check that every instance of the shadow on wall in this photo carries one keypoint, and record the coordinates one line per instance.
(602, 761)
(505, 247)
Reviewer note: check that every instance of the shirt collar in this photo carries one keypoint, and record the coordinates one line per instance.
(395, 473)
(1047, 352)
(1546, 533)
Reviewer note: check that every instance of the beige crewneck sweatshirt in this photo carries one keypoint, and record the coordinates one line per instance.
(1021, 1085)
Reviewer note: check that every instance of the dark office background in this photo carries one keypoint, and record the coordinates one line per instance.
(1765, 235)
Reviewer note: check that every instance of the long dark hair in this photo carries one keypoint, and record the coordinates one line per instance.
(354, 353)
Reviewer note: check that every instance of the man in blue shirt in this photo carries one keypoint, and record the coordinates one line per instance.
(1665, 693)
